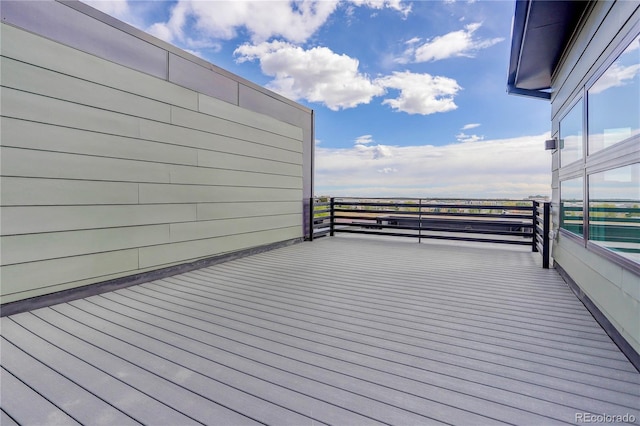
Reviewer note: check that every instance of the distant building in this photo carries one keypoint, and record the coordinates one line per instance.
(585, 58)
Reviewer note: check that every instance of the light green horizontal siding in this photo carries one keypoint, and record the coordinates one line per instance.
(37, 219)
(21, 191)
(207, 211)
(107, 171)
(46, 137)
(183, 251)
(32, 49)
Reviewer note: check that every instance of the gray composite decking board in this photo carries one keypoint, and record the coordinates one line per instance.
(39, 411)
(403, 394)
(293, 291)
(282, 312)
(75, 400)
(5, 420)
(394, 382)
(545, 393)
(344, 330)
(135, 402)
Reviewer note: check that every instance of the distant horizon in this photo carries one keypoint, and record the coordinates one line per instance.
(408, 97)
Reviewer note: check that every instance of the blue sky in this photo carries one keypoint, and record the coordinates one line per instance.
(409, 97)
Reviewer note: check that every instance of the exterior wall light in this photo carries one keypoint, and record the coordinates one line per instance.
(551, 144)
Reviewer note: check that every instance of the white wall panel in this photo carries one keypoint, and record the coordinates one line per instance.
(208, 211)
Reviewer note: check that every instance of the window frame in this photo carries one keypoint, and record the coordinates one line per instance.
(620, 154)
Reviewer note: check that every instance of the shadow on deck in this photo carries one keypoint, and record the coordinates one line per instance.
(343, 330)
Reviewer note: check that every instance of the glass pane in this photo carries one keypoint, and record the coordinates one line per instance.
(571, 135)
(571, 205)
(614, 101)
(614, 210)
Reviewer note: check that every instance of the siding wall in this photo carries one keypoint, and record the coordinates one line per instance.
(109, 171)
(613, 289)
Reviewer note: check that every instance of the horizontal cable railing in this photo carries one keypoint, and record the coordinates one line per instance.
(519, 222)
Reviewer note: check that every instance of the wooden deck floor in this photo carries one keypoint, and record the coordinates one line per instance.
(343, 331)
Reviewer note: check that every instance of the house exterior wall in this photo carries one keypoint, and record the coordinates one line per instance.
(610, 282)
(121, 154)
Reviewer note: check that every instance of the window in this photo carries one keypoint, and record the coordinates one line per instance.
(614, 210)
(572, 205)
(571, 135)
(614, 101)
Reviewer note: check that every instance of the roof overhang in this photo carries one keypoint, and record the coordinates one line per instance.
(541, 32)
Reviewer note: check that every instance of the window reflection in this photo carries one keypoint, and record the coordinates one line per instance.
(571, 135)
(571, 206)
(614, 101)
(614, 210)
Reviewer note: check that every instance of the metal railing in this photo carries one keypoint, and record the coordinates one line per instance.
(519, 222)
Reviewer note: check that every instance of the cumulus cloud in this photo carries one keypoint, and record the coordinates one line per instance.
(492, 168)
(317, 74)
(321, 75)
(454, 44)
(294, 21)
(420, 93)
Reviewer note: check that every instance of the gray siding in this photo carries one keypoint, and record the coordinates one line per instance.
(613, 289)
(108, 170)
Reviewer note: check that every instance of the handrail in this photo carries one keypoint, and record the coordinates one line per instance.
(520, 222)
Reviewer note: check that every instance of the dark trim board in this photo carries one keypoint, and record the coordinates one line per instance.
(604, 322)
(63, 296)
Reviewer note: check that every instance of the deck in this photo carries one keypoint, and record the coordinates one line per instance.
(342, 330)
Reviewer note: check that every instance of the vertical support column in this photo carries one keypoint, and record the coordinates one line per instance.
(420, 221)
(534, 239)
(311, 217)
(546, 243)
(332, 216)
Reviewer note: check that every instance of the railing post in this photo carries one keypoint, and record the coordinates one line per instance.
(420, 221)
(311, 217)
(534, 241)
(331, 217)
(546, 227)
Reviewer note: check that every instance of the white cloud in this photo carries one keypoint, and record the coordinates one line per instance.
(470, 126)
(317, 74)
(420, 93)
(364, 139)
(453, 44)
(295, 22)
(616, 76)
(463, 137)
(486, 169)
(382, 4)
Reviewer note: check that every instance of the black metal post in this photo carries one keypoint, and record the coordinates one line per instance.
(331, 217)
(311, 217)
(546, 227)
(534, 241)
(420, 221)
